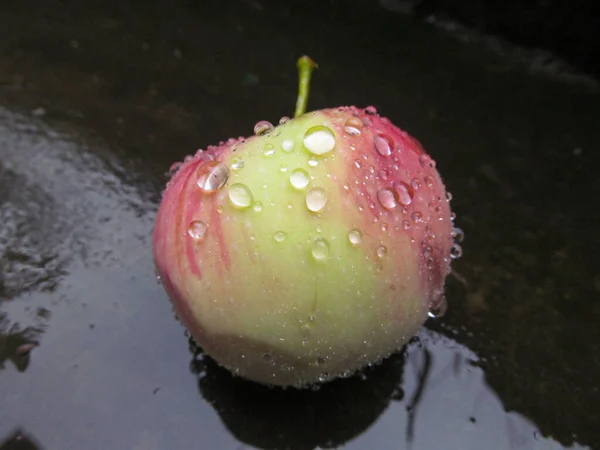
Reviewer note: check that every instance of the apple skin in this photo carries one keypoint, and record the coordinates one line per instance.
(290, 285)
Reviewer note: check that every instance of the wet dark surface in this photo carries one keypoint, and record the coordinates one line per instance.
(97, 99)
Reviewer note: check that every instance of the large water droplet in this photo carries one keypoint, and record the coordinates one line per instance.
(319, 140)
(353, 126)
(316, 199)
(299, 179)
(383, 144)
(320, 249)
(240, 195)
(279, 236)
(212, 175)
(262, 127)
(197, 229)
(288, 145)
(404, 193)
(387, 198)
(355, 236)
(382, 251)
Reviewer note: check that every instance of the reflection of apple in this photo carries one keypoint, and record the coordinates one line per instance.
(300, 419)
(308, 250)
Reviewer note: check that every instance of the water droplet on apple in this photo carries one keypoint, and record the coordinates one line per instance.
(457, 234)
(312, 162)
(262, 127)
(279, 236)
(387, 198)
(212, 175)
(415, 184)
(269, 150)
(319, 140)
(237, 163)
(316, 199)
(438, 308)
(257, 206)
(197, 230)
(284, 120)
(299, 179)
(382, 251)
(416, 217)
(355, 236)
(424, 160)
(371, 110)
(240, 195)
(404, 194)
(383, 144)
(288, 145)
(320, 249)
(353, 126)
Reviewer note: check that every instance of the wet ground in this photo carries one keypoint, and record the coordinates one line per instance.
(98, 98)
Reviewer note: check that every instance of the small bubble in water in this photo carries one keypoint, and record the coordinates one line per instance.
(267, 357)
(323, 377)
(174, 168)
(257, 206)
(406, 225)
(456, 251)
(355, 236)
(353, 126)
(320, 361)
(288, 145)
(212, 175)
(382, 251)
(299, 179)
(438, 308)
(383, 144)
(319, 140)
(448, 196)
(284, 120)
(428, 181)
(320, 249)
(387, 198)
(312, 162)
(197, 230)
(316, 199)
(371, 110)
(457, 234)
(240, 195)
(262, 127)
(280, 236)
(424, 160)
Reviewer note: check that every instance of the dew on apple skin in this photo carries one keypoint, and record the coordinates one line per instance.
(456, 251)
(406, 225)
(288, 145)
(416, 217)
(387, 198)
(237, 163)
(269, 150)
(353, 126)
(284, 120)
(428, 181)
(383, 144)
(320, 249)
(197, 230)
(299, 179)
(212, 175)
(262, 127)
(382, 251)
(279, 236)
(319, 140)
(240, 195)
(355, 236)
(257, 206)
(174, 168)
(371, 110)
(316, 199)
(404, 194)
(415, 184)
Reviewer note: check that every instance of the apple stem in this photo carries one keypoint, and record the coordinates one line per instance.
(305, 69)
